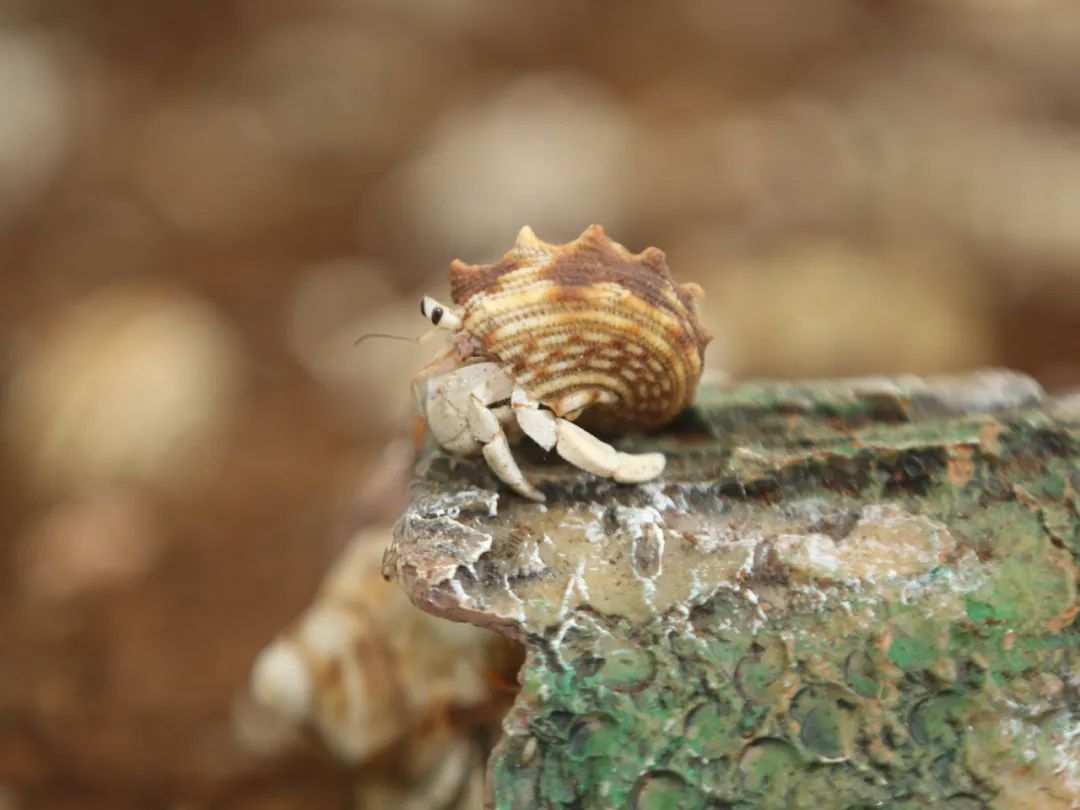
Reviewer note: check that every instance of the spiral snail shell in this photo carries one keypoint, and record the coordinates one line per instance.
(587, 324)
(550, 333)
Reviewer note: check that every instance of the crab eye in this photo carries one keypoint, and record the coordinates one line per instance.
(439, 314)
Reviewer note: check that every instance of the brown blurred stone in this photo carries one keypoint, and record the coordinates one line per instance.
(226, 147)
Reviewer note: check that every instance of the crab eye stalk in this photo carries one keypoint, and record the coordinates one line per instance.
(440, 315)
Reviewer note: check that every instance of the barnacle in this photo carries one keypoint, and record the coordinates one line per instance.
(587, 323)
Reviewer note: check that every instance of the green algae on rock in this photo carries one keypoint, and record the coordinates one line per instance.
(852, 594)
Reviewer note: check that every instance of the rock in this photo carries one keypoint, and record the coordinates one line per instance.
(370, 673)
(841, 594)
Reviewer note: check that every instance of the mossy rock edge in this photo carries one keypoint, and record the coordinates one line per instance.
(851, 593)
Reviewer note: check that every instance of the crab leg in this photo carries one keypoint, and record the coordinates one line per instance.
(486, 428)
(580, 447)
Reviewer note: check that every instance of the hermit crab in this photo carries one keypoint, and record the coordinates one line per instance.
(553, 333)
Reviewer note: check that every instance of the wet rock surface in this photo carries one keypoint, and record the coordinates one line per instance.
(841, 594)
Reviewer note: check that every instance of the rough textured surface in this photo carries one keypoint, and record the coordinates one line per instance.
(842, 594)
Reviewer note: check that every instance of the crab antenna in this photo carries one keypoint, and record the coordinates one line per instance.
(420, 341)
(362, 338)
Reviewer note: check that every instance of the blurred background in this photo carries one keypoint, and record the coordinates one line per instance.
(204, 203)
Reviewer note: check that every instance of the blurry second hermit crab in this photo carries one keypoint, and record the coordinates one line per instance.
(552, 332)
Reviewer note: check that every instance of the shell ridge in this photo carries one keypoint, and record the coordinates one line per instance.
(587, 323)
(537, 317)
(615, 324)
(679, 366)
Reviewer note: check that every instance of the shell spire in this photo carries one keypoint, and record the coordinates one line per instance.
(587, 323)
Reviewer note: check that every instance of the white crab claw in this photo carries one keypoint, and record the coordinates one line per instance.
(580, 447)
(538, 425)
(584, 450)
(635, 468)
(501, 460)
(483, 424)
(486, 428)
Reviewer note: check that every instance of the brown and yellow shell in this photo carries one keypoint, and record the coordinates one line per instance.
(589, 325)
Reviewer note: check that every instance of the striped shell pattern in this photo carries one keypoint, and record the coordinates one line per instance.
(587, 325)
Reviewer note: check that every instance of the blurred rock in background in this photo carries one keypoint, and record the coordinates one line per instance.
(377, 678)
(203, 205)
